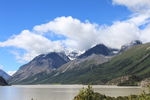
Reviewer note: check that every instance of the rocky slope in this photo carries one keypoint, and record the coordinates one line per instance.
(74, 65)
(38, 68)
(78, 64)
(44, 63)
(129, 80)
(145, 82)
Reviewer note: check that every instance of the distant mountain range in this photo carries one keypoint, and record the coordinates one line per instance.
(98, 65)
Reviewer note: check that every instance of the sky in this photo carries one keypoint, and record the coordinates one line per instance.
(29, 28)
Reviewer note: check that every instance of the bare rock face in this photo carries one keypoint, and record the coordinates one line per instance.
(129, 80)
(118, 80)
(145, 82)
(43, 63)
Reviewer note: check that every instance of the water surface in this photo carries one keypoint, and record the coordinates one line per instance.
(59, 92)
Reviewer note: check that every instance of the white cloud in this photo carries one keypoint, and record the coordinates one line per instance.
(77, 32)
(83, 35)
(140, 19)
(79, 35)
(134, 5)
(119, 33)
(11, 72)
(145, 36)
(141, 9)
(33, 44)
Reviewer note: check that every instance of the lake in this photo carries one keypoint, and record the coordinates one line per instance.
(59, 92)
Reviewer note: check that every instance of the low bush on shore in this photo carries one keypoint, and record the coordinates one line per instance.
(89, 94)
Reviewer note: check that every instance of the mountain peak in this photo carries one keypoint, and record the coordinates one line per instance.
(98, 49)
(43, 63)
(129, 45)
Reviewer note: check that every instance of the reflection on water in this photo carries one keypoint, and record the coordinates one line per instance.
(59, 92)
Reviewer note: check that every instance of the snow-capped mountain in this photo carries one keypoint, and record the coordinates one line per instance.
(72, 54)
(129, 45)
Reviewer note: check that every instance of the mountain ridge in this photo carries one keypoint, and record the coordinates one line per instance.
(135, 61)
(86, 70)
(42, 63)
(98, 49)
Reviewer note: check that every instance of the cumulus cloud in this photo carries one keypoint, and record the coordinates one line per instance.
(33, 44)
(83, 35)
(145, 36)
(80, 35)
(141, 9)
(134, 5)
(119, 33)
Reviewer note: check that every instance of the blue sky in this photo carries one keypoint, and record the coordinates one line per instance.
(19, 15)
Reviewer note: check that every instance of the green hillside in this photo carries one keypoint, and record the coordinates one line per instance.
(135, 62)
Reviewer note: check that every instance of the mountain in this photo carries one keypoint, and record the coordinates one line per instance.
(74, 65)
(41, 64)
(98, 49)
(44, 63)
(130, 45)
(2, 81)
(132, 62)
(4, 75)
(135, 61)
(79, 64)
(73, 54)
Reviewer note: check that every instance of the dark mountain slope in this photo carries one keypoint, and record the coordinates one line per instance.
(2, 81)
(98, 49)
(4, 75)
(45, 63)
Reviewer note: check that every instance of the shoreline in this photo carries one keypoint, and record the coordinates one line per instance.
(75, 86)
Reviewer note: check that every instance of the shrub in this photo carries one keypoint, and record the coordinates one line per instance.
(89, 94)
